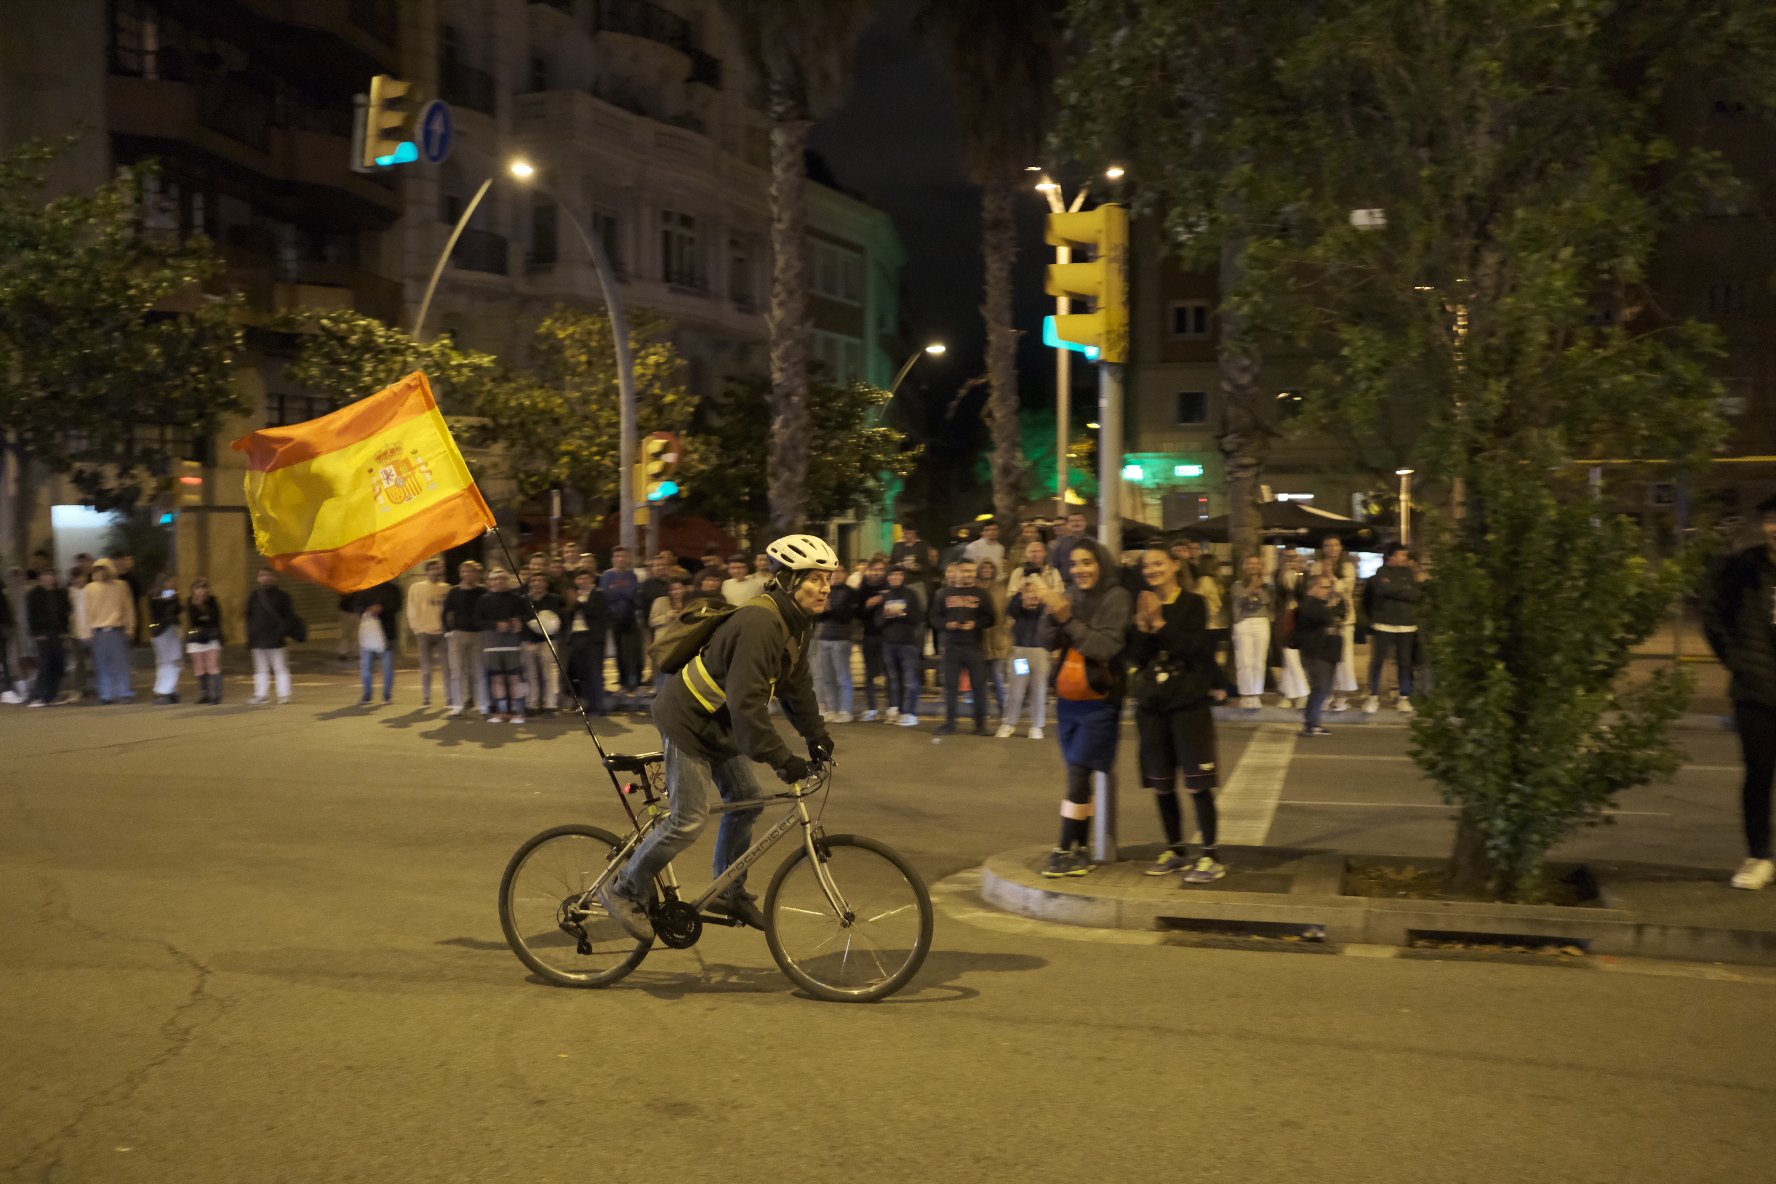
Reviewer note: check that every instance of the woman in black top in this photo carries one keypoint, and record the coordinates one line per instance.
(203, 640)
(1175, 680)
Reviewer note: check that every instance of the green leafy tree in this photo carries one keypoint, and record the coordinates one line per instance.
(556, 426)
(848, 451)
(105, 328)
(801, 50)
(1036, 430)
(1003, 57)
(349, 355)
(1498, 316)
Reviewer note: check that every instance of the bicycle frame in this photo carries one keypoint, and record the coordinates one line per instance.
(796, 815)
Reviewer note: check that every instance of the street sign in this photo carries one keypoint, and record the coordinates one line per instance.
(435, 131)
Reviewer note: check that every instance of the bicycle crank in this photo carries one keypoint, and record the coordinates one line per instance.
(677, 924)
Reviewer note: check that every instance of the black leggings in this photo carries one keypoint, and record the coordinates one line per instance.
(1181, 741)
(1077, 808)
(1757, 740)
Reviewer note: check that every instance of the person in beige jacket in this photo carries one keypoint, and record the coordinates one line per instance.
(110, 611)
(425, 620)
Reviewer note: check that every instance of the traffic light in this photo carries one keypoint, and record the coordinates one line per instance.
(191, 483)
(389, 119)
(659, 460)
(1103, 281)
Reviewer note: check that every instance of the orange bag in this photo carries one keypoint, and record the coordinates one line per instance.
(1074, 680)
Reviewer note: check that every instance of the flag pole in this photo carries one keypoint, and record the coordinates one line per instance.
(561, 668)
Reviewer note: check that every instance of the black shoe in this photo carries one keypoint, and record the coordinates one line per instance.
(981, 730)
(944, 730)
(742, 908)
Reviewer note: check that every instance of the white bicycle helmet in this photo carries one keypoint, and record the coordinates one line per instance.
(802, 552)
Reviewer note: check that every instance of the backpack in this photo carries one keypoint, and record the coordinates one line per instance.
(679, 641)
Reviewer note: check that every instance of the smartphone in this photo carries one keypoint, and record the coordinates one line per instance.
(1020, 665)
(169, 594)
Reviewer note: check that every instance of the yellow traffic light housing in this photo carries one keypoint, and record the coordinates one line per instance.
(190, 483)
(1103, 280)
(659, 460)
(390, 116)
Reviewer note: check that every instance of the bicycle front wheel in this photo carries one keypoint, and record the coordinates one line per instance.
(567, 941)
(867, 947)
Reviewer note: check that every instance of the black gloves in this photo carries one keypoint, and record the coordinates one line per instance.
(792, 770)
(820, 750)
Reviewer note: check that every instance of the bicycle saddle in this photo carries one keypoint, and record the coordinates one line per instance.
(618, 763)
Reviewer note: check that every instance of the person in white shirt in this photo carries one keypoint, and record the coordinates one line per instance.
(425, 620)
(987, 547)
(740, 586)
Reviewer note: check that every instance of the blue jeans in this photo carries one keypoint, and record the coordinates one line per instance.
(1402, 646)
(832, 674)
(110, 653)
(903, 677)
(366, 662)
(689, 778)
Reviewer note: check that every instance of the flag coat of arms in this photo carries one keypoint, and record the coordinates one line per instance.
(358, 496)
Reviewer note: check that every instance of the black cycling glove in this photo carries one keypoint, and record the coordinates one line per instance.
(820, 749)
(792, 770)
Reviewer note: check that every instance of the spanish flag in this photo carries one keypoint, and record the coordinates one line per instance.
(358, 496)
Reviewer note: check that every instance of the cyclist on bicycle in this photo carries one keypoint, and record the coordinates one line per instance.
(714, 715)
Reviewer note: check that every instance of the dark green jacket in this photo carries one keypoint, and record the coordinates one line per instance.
(1737, 619)
(718, 706)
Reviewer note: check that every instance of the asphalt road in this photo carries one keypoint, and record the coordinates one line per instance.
(260, 944)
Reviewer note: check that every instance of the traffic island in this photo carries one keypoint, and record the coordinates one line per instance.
(1325, 899)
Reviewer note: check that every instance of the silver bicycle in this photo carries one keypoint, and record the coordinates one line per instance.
(846, 918)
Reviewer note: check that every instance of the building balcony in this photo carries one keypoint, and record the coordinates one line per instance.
(558, 5)
(639, 18)
(463, 85)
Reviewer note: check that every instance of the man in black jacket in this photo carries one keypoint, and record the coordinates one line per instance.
(1319, 633)
(271, 617)
(47, 615)
(1739, 618)
(585, 625)
(961, 614)
(714, 714)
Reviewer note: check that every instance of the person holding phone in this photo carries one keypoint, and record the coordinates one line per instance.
(1028, 673)
(166, 636)
(203, 640)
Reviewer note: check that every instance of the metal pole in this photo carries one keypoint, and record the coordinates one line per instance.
(1063, 399)
(1406, 509)
(619, 318)
(444, 257)
(1110, 534)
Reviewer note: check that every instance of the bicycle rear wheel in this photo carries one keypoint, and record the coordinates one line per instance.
(870, 946)
(570, 944)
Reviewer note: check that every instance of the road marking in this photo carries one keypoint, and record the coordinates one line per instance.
(1248, 801)
(1443, 806)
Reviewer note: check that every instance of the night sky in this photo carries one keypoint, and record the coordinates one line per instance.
(896, 143)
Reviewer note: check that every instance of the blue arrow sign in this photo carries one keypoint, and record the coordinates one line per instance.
(435, 131)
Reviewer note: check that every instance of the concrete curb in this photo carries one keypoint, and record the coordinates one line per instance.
(1279, 892)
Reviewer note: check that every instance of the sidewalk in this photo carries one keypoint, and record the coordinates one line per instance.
(1298, 896)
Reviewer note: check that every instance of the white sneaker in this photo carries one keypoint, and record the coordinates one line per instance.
(1754, 874)
(257, 699)
(1404, 706)
(457, 710)
(840, 717)
(1371, 705)
(908, 721)
(1035, 733)
(11, 697)
(1338, 703)
(870, 717)
(893, 714)
(1004, 732)
(516, 719)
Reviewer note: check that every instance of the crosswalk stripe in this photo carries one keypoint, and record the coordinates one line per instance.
(1248, 800)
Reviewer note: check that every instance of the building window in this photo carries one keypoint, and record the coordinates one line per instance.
(135, 39)
(850, 278)
(539, 73)
(608, 229)
(742, 283)
(1726, 297)
(681, 261)
(1190, 320)
(1193, 407)
(543, 244)
(852, 370)
(838, 273)
(282, 409)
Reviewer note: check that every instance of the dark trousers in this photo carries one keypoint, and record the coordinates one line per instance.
(1319, 688)
(1757, 740)
(629, 658)
(957, 658)
(585, 669)
(873, 669)
(1404, 647)
(52, 660)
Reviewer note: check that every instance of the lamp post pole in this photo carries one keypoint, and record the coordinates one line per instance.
(1405, 476)
(444, 257)
(935, 349)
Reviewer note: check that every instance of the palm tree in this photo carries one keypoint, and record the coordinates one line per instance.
(801, 50)
(1003, 56)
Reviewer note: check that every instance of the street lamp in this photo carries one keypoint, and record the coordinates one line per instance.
(522, 170)
(935, 349)
(1405, 476)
